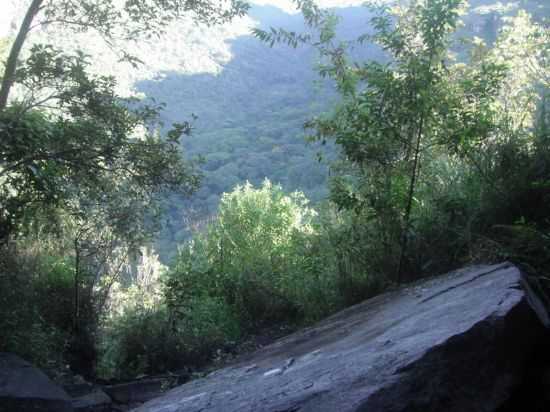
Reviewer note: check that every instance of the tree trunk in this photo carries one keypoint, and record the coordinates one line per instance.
(412, 184)
(76, 308)
(11, 64)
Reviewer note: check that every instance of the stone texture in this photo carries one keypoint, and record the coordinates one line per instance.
(455, 343)
(137, 391)
(24, 388)
(94, 400)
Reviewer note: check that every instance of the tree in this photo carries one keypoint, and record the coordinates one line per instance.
(514, 161)
(252, 254)
(112, 19)
(524, 48)
(396, 115)
(80, 163)
(67, 139)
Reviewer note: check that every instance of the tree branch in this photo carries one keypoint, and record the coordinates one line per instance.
(11, 64)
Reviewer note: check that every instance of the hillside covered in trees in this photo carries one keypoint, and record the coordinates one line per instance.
(250, 117)
(430, 119)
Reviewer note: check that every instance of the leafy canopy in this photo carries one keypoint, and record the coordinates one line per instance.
(395, 116)
(252, 254)
(68, 140)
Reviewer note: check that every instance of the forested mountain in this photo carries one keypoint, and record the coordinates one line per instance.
(250, 117)
(250, 114)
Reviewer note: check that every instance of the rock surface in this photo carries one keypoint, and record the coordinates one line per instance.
(455, 343)
(25, 388)
(135, 392)
(95, 401)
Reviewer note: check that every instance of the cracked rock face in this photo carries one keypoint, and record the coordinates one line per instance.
(456, 343)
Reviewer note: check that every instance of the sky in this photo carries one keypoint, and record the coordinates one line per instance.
(289, 7)
(6, 12)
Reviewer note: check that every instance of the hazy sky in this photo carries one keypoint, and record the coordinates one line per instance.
(5, 16)
(289, 6)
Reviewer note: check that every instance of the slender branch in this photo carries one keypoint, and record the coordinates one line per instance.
(65, 22)
(40, 103)
(61, 156)
(414, 176)
(11, 64)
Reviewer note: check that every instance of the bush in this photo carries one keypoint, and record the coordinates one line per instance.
(270, 258)
(30, 325)
(135, 343)
(138, 335)
(252, 256)
(355, 258)
(204, 325)
(148, 341)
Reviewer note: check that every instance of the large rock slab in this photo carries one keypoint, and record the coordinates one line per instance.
(87, 397)
(455, 343)
(95, 401)
(24, 388)
(136, 392)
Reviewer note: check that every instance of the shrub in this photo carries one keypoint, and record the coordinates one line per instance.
(138, 335)
(30, 325)
(271, 258)
(136, 342)
(149, 341)
(252, 256)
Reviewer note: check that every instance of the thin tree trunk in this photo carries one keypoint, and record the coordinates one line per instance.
(414, 176)
(76, 314)
(11, 64)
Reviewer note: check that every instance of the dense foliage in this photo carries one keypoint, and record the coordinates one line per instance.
(251, 113)
(252, 255)
(250, 118)
(266, 259)
(66, 133)
(440, 151)
(81, 167)
(422, 135)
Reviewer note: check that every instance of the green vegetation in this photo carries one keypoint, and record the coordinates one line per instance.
(251, 113)
(395, 119)
(253, 256)
(422, 136)
(249, 123)
(441, 158)
(31, 325)
(266, 259)
(80, 167)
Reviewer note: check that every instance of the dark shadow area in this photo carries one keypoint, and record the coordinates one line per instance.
(533, 393)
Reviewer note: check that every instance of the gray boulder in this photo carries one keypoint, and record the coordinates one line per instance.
(136, 392)
(24, 388)
(87, 397)
(455, 343)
